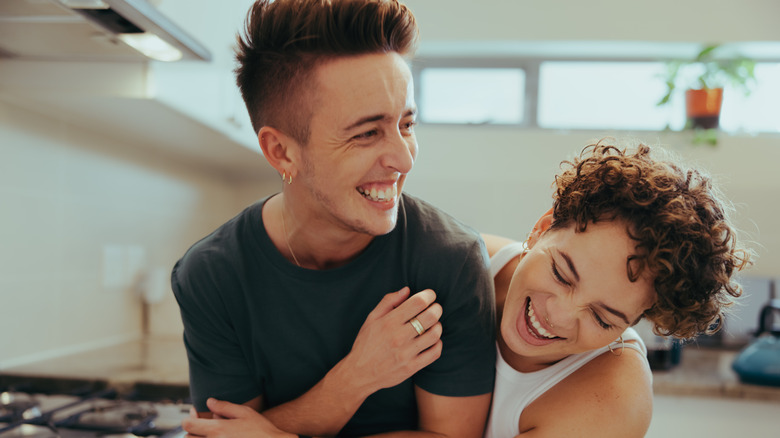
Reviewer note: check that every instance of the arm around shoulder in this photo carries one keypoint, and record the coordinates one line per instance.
(494, 242)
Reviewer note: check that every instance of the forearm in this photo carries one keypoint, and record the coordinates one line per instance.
(325, 408)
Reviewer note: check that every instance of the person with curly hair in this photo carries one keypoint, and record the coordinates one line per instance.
(628, 237)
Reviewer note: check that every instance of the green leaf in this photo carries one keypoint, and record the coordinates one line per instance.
(706, 53)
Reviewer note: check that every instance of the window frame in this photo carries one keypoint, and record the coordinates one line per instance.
(532, 66)
(529, 67)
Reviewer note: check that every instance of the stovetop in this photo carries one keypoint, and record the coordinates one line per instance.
(30, 409)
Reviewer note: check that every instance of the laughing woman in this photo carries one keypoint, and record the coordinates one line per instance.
(628, 237)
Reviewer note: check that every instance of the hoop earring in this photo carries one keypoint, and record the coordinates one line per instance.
(525, 244)
(286, 178)
(622, 347)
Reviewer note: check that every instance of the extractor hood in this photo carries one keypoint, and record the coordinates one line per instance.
(92, 30)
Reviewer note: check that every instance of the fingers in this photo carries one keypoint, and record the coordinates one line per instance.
(428, 347)
(433, 352)
(224, 409)
(231, 420)
(426, 319)
(220, 410)
(388, 303)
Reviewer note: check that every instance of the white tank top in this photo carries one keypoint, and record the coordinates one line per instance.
(514, 390)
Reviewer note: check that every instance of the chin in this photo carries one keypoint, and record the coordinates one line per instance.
(384, 228)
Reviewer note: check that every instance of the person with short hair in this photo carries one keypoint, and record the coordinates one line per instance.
(288, 308)
(629, 236)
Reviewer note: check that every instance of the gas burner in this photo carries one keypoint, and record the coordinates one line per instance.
(113, 416)
(15, 406)
(98, 415)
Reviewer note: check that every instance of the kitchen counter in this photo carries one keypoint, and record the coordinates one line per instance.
(707, 372)
(159, 361)
(163, 361)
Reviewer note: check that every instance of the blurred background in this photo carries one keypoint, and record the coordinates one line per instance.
(113, 163)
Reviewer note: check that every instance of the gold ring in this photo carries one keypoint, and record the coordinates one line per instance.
(417, 326)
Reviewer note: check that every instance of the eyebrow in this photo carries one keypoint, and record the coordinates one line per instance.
(615, 312)
(364, 120)
(376, 118)
(571, 265)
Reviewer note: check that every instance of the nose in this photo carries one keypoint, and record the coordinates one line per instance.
(562, 313)
(401, 152)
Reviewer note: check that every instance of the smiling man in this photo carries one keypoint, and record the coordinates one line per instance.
(339, 306)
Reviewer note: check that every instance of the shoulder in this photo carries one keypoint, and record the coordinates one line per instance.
(217, 252)
(610, 396)
(430, 221)
(438, 240)
(495, 243)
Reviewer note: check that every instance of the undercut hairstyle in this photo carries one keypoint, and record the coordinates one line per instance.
(285, 40)
(684, 239)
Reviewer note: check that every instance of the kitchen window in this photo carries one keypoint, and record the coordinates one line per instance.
(579, 94)
(472, 95)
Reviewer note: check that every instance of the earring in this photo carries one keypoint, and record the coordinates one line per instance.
(525, 243)
(286, 178)
(622, 347)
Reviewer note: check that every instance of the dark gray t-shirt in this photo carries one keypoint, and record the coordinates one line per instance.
(255, 324)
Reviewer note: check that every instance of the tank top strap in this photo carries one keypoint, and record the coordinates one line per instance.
(504, 255)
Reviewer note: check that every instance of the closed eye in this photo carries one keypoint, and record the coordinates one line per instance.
(601, 322)
(366, 135)
(557, 274)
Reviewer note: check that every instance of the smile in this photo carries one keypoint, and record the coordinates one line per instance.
(379, 195)
(535, 328)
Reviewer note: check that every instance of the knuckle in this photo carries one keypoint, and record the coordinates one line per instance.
(437, 349)
(425, 297)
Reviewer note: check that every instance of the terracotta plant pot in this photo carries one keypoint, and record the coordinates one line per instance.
(703, 107)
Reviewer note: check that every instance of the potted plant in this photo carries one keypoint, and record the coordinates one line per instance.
(704, 94)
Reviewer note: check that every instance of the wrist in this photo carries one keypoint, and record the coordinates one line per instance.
(345, 381)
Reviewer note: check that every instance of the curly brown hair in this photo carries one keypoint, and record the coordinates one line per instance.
(684, 237)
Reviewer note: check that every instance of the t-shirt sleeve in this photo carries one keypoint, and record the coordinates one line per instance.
(217, 364)
(467, 364)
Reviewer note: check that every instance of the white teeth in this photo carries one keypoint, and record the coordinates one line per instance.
(538, 327)
(379, 195)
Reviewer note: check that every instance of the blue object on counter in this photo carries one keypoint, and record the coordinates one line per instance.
(759, 362)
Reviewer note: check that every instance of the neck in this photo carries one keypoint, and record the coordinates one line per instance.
(309, 243)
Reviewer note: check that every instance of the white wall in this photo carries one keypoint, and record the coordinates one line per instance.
(66, 194)
(562, 20)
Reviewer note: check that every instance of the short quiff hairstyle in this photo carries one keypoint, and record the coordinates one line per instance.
(285, 40)
(685, 241)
